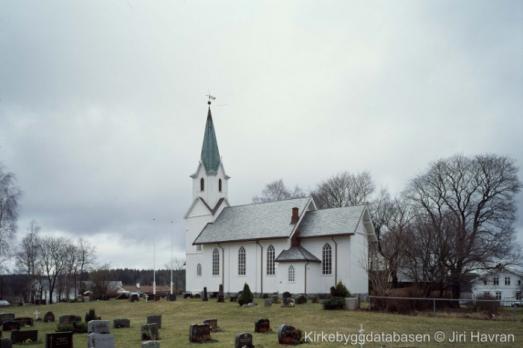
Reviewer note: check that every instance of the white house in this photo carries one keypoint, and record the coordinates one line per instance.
(287, 245)
(503, 283)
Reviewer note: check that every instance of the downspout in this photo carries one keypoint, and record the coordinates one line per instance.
(335, 261)
(261, 268)
(223, 266)
(305, 287)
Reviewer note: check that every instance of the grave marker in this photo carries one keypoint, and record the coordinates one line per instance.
(199, 333)
(289, 335)
(204, 297)
(155, 319)
(150, 332)
(24, 321)
(98, 326)
(213, 324)
(151, 344)
(262, 325)
(221, 297)
(5, 343)
(10, 325)
(49, 317)
(59, 340)
(6, 317)
(95, 340)
(243, 340)
(26, 336)
(121, 323)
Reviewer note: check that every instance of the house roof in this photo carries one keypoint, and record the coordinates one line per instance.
(252, 222)
(333, 221)
(296, 253)
(210, 155)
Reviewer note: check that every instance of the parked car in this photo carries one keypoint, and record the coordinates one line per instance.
(4, 303)
(517, 303)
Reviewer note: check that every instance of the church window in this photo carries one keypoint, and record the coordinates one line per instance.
(292, 274)
(495, 280)
(326, 264)
(215, 262)
(241, 261)
(270, 260)
(507, 280)
(199, 270)
(220, 185)
(202, 184)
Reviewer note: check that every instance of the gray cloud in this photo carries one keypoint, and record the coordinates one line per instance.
(102, 104)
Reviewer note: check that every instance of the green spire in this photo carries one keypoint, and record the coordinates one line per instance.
(210, 153)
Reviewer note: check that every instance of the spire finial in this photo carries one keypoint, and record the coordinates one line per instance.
(211, 98)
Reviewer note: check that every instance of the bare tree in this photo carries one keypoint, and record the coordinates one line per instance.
(84, 260)
(53, 252)
(466, 210)
(343, 190)
(277, 191)
(9, 195)
(28, 260)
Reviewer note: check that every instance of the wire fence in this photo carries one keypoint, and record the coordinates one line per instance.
(406, 304)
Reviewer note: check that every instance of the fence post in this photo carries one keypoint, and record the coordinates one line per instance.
(434, 305)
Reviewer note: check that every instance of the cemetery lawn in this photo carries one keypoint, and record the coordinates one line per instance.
(178, 315)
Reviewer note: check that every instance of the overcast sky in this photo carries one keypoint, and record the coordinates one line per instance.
(102, 103)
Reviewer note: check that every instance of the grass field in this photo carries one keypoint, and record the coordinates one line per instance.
(177, 316)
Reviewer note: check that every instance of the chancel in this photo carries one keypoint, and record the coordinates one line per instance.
(287, 245)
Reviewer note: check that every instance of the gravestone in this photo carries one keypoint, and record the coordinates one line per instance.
(205, 297)
(213, 324)
(150, 332)
(262, 325)
(172, 297)
(25, 336)
(49, 317)
(6, 317)
(267, 302)
(121, 323)
(5, 343)
(24, 321)
(59, 340)
(288, 302)
(95, 340)
(243, 340)
(221, 297)
(10, 325)
(199, 333)
(151, 344)
(98, 326)
(36, 314)
(155, 319)
(289, 335)
(69, 319)
(134, 298)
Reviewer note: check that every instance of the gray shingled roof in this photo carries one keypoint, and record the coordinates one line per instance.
(252, 222)
(297, 253)
(327, 222)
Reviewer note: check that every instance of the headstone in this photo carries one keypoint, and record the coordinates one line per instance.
(6, 317)
(5, 343)
(151, 344)
(172, 297)
(150, 332)
(95, 340)
(262, 325)
(221, 296)
(24, 321)
(25, 336)
(155, 319)
(121, 323)
(98, 326)
(267, 302)
(213, 324)
(134, 298)
(205, 297)
(36, 314)
(199, 333)
(49, 317)
(69, 319)
(59, 340)
(289, 335)
(243, 340)
(288, 302)
(10, 325)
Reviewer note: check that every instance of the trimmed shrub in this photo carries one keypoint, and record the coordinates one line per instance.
(286, 294)
(315, 299)
(265, 296)
(340, 290)
(246, 295)
(334, 303)
(91, 315)
(302, 299)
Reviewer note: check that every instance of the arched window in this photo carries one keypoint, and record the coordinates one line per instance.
(241, 261)
(270, 260)
(326, 260)
(292, 274)
(215, 262)
(202, 184)
(220, 185)
(199, 270)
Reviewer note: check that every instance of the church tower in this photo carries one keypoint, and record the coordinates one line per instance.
(209, 187)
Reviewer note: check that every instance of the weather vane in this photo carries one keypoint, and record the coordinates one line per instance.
(211, 98)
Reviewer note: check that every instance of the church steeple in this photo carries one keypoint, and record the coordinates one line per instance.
(210, 156)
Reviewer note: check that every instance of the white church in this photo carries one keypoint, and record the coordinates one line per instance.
(280, 246)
